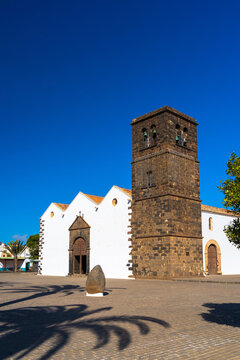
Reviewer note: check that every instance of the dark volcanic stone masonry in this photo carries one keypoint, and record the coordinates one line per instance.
(166, 206)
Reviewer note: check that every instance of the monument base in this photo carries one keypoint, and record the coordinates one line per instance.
(97, 294)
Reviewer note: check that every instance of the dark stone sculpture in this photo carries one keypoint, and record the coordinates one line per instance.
(95, 281)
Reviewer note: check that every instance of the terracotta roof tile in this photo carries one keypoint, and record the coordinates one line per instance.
(217, 210)
(96, 199)
(62, 206)
(128, 192)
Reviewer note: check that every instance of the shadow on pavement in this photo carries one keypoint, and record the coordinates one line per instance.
(25, 329)
(40, 291)
(224, 314)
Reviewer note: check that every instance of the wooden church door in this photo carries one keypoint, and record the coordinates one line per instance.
(79, 256)
(212, 259)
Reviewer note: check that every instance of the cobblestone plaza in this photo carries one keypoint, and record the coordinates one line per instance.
(51, 318)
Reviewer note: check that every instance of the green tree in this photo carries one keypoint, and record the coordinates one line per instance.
(33, 245)
(231, 201)
(15, 248)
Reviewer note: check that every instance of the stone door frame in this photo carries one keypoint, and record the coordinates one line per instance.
(79, 229)
(213, 242)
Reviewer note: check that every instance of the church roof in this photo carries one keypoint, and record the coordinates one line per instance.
(161, 110)
(128, 192)
(96, 199)
(62, 206)
(216, 210)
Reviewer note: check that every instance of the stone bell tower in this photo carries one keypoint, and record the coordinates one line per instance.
(166, 206)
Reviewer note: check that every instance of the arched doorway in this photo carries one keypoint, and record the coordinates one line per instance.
(79, 256)
(212, 259)
(79, 247)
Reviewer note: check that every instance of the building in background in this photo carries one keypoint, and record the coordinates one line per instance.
(7, 260)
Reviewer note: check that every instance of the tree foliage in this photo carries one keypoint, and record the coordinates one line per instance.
(15, 247)
(33, 245)
(231, 201)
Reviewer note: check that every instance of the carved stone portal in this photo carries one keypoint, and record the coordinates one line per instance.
(79, 247)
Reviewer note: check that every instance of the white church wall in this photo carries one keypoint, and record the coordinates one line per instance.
(230, 255)
(56, 235)
(53, 250)
(108, 236)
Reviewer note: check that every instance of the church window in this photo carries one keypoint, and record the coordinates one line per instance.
(146, 137)
(210, 223)
(114, 202)
(149, 179)
(52, 214)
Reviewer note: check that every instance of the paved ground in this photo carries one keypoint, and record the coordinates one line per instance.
(51, 318)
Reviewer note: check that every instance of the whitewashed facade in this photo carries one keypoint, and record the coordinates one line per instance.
(228, 256)
(109, 222)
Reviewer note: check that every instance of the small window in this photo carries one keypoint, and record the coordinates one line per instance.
(149, 179)
(210, 223)
(52, 214)
(114, 202)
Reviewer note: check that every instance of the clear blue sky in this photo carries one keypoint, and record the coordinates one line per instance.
(73, 74)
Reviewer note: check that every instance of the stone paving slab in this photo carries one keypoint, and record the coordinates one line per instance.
(232, 279)
(51, 318)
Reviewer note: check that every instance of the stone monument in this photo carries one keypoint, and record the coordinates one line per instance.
(95, 284)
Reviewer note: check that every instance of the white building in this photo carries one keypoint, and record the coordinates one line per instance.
(7, 260)
(216, 244)
(93, 230)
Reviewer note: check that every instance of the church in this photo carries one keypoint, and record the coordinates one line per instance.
(157, 230)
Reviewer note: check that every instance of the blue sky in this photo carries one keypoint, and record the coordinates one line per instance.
(75, 73)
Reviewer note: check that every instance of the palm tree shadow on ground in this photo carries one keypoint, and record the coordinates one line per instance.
(25, 329)
(223, 314)
(40, 291)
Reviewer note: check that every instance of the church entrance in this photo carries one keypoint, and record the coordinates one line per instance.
(212, 260)
(79, 247)
(79, 256)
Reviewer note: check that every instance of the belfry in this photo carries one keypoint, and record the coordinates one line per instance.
(166, 205)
